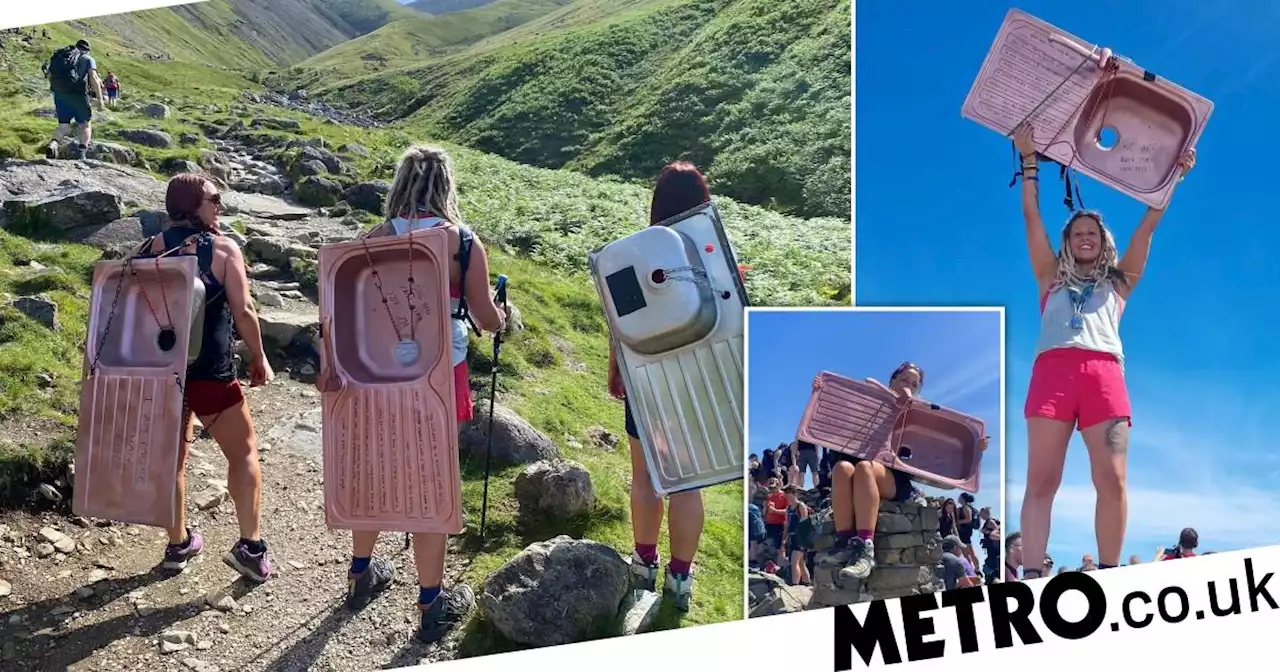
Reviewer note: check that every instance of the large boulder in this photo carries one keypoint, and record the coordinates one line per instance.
(317, 192)
(68, 213)
(556, 489)
(146, 137)
(556, 592)
(515, 441)
(367, 196)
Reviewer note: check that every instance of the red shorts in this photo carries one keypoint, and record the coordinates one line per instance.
(211, 397)
(462, 391)
(1077, 386)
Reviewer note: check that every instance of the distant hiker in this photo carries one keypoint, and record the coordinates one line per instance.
(680, 188)
(804, 456)
(213, 393)
(1188, 541)
(966, 519)
(112, 87)
(857, 488)
(799, 536)
(72, 72)
(1078, 378)
(424, 195)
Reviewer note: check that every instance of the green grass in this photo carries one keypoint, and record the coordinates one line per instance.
(411, 41)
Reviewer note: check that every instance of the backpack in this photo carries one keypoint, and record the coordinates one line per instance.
(756, 520)
(63, 73)
(465, 240)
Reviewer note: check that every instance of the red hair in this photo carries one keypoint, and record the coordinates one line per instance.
(680, 188)
(184, 197)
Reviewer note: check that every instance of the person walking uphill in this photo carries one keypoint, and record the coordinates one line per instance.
(213, 394)
(1078, 378)
(71, 72)
(680, 188)
(424, 195)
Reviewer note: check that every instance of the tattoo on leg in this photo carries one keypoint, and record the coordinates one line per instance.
(1118, 436)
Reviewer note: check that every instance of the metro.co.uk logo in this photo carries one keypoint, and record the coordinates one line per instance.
(1010, 606)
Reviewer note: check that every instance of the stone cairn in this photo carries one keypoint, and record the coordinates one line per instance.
(908, 560)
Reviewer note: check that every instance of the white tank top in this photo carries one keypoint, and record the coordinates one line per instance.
(1096, 324)
(460, 338)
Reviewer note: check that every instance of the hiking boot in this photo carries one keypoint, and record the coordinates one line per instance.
(51, 150)
(253, 566)
(363, 587)
(681, 587)
(841, 554)
(445, 613)
(863, 562)
(644, 576)
(176, 556)
(77, 151)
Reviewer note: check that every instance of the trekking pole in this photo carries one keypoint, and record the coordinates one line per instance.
(499, 297)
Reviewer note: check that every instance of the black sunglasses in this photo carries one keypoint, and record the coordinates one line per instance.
(215, 199)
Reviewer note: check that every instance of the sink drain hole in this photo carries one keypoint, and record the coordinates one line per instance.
(1107, 137)
(167, 339)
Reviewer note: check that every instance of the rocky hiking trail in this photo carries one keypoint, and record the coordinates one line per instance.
(84, 594)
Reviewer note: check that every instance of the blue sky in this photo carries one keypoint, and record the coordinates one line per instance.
(959, 352)
(938, 224)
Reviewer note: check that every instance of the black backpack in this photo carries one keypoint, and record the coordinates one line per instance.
(63, 74)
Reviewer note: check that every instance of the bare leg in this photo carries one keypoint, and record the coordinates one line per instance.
(428, 555)
(363, 543)
(872, 483)
(178, 533)
(646, 505)
(843, 505)
(1108, 444)
(1046, 455)
(684, 524)
(233, 431)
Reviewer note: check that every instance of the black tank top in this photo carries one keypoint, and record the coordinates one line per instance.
(214, 363)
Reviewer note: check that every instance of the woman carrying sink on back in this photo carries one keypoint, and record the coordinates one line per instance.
(857, 488)
(1078, 376)
(424, 196)
(212, 392)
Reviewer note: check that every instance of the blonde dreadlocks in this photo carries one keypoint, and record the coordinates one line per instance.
(424, 180)
(1104, 268)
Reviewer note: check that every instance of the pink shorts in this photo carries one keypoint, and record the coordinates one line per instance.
(1077, 386)
(462, 391)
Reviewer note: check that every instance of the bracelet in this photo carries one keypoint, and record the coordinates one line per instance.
(1033, 178)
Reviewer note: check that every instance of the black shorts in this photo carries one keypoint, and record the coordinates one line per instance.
(773, 533)
(632, 431)
(902, 482)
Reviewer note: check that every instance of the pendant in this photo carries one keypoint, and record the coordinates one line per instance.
(407, 353)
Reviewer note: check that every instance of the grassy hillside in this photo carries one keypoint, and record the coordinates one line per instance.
(755, 91)
(446, 6)
(415, 40)
(233, 33)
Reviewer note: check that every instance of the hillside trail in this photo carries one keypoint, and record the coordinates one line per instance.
(98, 601)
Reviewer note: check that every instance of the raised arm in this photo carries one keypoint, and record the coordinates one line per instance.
(1043, 260)
(1134, 261)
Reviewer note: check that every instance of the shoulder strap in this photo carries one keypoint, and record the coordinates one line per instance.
(465, 241)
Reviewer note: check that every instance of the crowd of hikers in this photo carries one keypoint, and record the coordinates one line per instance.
(423, 194)
(782, 531)
(1015, 569)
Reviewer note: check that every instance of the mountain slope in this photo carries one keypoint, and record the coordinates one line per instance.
(446, 6)
(754, 91)
(235, 33)
(412, 41)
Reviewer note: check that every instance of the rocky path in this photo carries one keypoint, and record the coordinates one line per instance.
(85, 594)
(88, 595)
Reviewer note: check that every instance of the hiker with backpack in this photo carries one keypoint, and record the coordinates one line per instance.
(72, 74)
(424, 195)
(112, 87)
